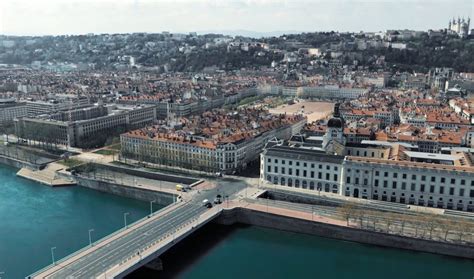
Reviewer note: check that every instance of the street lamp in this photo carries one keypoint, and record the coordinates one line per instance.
(151, 206)
(90, 237)
(125, 218)
(52, 255)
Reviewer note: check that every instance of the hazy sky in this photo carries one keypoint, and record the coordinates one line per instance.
(44, 17)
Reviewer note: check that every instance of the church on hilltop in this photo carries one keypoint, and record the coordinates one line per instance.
(460, 26)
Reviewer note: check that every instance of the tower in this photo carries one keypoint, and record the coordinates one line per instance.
(334, 130)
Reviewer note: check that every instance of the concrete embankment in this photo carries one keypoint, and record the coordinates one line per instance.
(125, 191)
(9, 161)
(269, 220)
(147, 174)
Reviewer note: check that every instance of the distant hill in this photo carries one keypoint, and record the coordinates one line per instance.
(250, 34)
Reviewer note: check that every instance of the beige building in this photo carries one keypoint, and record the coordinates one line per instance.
(88, 127)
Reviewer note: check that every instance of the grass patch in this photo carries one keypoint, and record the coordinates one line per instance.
(106, 151)
(116, 147)
(70, 163)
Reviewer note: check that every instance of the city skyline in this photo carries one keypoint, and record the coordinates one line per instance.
(250, 17)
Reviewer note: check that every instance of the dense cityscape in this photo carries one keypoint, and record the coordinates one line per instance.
(359, 136)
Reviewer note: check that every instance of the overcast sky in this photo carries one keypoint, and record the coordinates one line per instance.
(52, 17)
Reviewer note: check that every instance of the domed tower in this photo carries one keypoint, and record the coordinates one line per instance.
(335, 129)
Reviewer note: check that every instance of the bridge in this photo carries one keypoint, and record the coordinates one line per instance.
(135, 245)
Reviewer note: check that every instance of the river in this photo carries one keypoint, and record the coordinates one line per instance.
(34, 218)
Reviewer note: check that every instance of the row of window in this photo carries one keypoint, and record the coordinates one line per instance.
(303, 173)
(303, 184)
(304, 164)
(415, 177)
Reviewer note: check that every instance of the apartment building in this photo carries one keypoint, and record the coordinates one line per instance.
(86, 126)
(222, 151)
(9, 110)
(39, 107)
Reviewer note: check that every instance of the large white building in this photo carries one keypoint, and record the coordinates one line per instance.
(385, 171)
(441, 180)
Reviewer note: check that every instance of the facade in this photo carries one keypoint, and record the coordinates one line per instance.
(79, 127)
(224, 154)
(47, 107)
(9, 110)
(301, 168)
(443, 181)
(424, 184)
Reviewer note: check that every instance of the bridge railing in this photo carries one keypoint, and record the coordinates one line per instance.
(58, 262)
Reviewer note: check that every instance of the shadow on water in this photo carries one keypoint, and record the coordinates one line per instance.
(188, 251)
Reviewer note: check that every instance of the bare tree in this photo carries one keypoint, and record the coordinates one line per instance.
(346, 211)
(445, 225)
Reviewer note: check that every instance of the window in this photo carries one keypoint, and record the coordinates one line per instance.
(297, 164)
(269, 168)
(304, 165)
(282, 170)
(365, 181)
(327, 176)
(312, 174)
(404, 176)
(443, 179)
(290, 171)
(433, 179)
(394, 185)
(441, 190)
(320, 175)
(422, 187)
(385, 174)
(276, 161)
(432, 189)
(376, 173)
(453, 180)
(471, 194)
(357, 181)
(376, 183)
(463, 182)
(348, 179)
(423, 178)
(297, 173)
(413, 177)
(275, 169)
(282, 162)
(291, 163)
(335, 177)
(304, 173)
(461, 192)
(395, 175)
(404, 185)
(385, 183)
(413, 187)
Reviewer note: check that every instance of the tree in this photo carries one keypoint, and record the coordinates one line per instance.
(347, 211)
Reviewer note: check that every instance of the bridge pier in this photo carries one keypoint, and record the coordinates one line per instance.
(156, 264)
